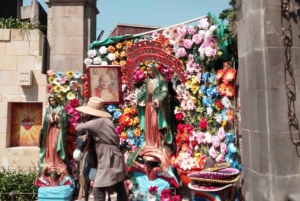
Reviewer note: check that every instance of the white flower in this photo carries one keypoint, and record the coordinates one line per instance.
(56, 81)
(203, 24)
(209, 111)
(187, 164)
(92, 53)
(97, 60)
(124, 87)
(210, 52)
(207, 138)
(111, 56)
(104, 63)
(226, 102)
(218, 118)
(151, 197)
(208, 34)
(202, 34)
(167, 32)
(202, 52)
(103, 50)
(88, 61)
(212, 28)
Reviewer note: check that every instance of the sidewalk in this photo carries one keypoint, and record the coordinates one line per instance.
(91, 198)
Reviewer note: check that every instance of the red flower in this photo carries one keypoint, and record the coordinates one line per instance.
(180, 127)
(166, 194)
(179, 116)
(189, 128)
(229, 75)
(124, 119)
(153, 190)
(71, 129)
(219, 74)
(219, 104)
(193, 143)
(178, 139)
(230, 114)
(229, 90)
(203, 124)
(185, 137)
(222, 89)
(74, 103)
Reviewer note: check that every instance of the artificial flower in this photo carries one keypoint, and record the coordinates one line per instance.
(122, 63)
(70, 74)
(220, 158)
(223, 148)
(70, 95)
(203, 23)
(92, 53)
(187, 164)
(188, 43)
(49, 88)
(191, 30)
(85, 93)
(124, 119)
(110, 49)
(123, 54)
(58, 89)
(97, 60)
(229, 75)
(209, 111)
(136, 120)
(124, 135)
(74, 103)
(215, 141)
(220, 74)
(51, 79)
(128, 44)
(119, 45)
(111, 56)
(189, 128)
(207, 138)
(203, 123)
(179, 116)
(212, 152)
(60, 98)
(71, 129)
(51, 73)
(230, 114)
(230, 91)
(219, 104)
(153, 190)
(222, 88)
(65, 88)
(63, 80)
(88, 61)
(137, 133)
(114, 63)
(103, 50)
(77, 74)
(197, 39)
(180, 127)
(104, 63)
(117, 54)
(181, 52)
(119, 129)
(176, 198)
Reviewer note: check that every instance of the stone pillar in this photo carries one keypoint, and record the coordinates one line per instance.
(71, 28)
(270, 160)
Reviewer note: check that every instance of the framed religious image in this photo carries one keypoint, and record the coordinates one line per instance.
(105, 83)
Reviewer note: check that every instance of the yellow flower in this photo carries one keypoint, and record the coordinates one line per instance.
(194, 80)
(70, 74)
(66, 88)
(188, 84)
(223, 123)
(136, 120)
(51, 79)
(127, 110)
(119, 45)
(143, 68)
(58, 89)
(193, 99)
(219, 53)
(116, 54)
(124, 135)
(194, 88)
(70, 95)
(123, 54)
(122, 63)
(59, 97)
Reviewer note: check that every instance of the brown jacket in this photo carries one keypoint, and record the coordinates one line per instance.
(111, 164)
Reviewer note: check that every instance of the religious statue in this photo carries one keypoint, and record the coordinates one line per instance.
(52, 144)
(153, 111)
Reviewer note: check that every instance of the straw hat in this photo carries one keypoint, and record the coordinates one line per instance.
(94, 107)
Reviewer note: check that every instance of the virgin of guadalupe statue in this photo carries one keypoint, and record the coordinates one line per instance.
(153, 112)
(52, 141)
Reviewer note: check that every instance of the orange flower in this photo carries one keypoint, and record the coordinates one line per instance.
(229, 90)
(117, 55)
(114, 63)
(128, 44)
(130, 122)
(137, 133)
(136, 120)
(219, 74)
(185, 137)
(111, 49)
(124, 119)
(86, 85)
(229, 75)
(184, 147)
(133, 111)
(119, 45)
(222, 89)
(122, 63)
(127, 110)
(123, 54)
(124, 135)
(85, 93)
(230, 114)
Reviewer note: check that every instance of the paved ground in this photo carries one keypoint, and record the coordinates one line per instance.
(91, 198)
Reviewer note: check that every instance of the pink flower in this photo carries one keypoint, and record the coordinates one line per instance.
(197, 39)
(200, 137)
(215, 141)
(221, 133)
(181, 31)
(119, 129)
(191, 30)
(50, 73)
(187, 43)
(181, 52)
(189, 128)
(203, 24)
(49, 88)
(74, 103)
(212, 152)
(176, 198)
(223, 148)
(210, 52)
(220, 158)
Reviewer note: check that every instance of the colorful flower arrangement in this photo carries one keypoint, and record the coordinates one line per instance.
(67, 87)
(205, 114)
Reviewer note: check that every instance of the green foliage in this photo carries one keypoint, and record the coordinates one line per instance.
(19, 184)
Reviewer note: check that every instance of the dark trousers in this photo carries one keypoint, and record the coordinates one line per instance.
(99, 192)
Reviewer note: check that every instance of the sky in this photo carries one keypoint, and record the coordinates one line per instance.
(150, 12)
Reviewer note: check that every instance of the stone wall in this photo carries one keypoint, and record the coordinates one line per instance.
(19, 54)
(271, 166)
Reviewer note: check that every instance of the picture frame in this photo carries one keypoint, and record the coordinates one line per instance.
(105, 83)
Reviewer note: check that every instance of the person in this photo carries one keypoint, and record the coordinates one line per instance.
(111, 170)
(52, 139)
(103, 91)
(153, 112)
